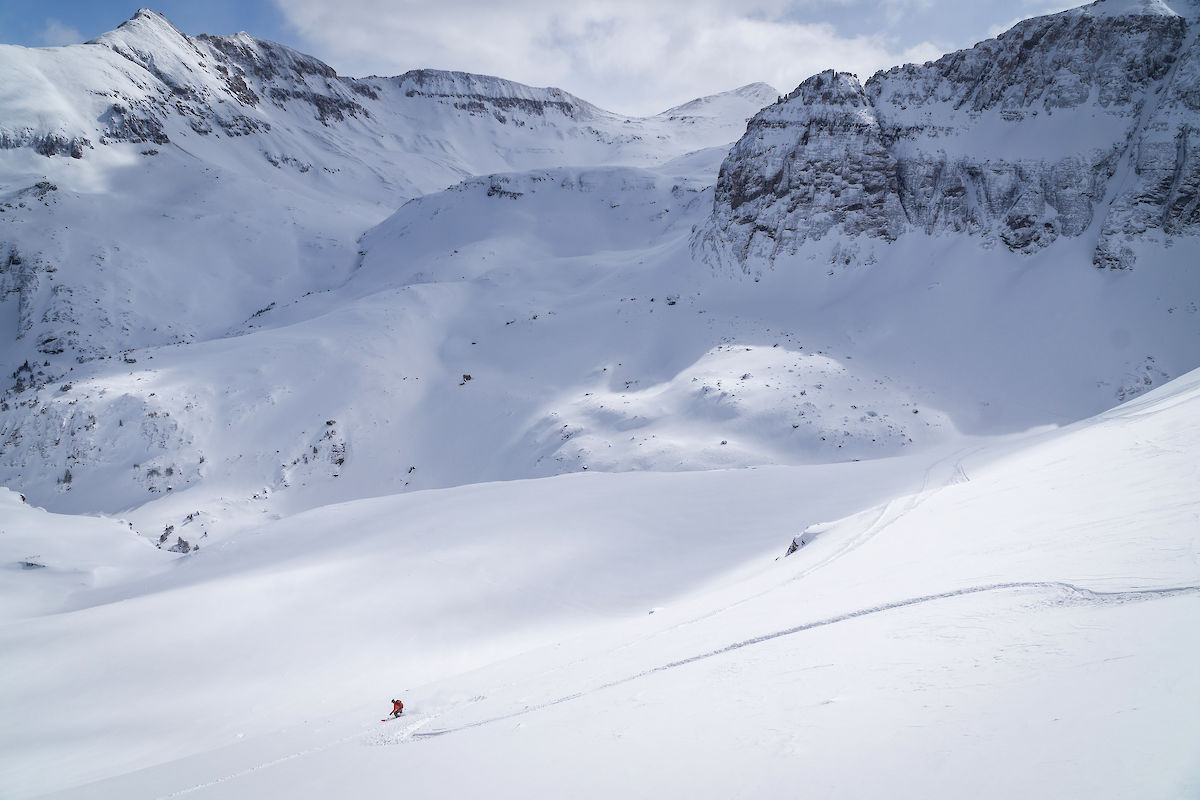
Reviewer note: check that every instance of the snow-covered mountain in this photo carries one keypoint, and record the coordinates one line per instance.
(153, 121)
(148, 83)
(163, 190)
(211, 306)
(1074, 125)
(323, 390)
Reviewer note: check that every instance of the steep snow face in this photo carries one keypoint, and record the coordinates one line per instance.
(628, 363)
(1075, 122)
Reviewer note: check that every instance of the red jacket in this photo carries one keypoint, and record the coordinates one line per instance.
(397, 705)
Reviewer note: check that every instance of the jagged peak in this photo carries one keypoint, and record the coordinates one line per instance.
(828, 95)
(830, 88)
(151, 42)
(1189, 9)
(146, 24)
(151, 15)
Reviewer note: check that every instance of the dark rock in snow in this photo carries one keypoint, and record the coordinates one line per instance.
(1066, 122)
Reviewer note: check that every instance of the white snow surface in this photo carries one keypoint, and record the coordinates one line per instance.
(1024, 599)
(1114, 8)
(418, 387)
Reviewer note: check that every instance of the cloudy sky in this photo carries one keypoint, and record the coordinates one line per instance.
(631, 56)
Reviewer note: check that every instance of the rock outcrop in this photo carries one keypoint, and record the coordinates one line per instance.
(1079, 123)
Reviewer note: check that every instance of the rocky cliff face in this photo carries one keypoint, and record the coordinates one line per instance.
(1074, 124)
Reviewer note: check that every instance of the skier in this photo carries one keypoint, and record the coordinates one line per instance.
(397, 708)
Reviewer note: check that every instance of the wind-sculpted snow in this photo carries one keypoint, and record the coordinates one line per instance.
(1077, 121)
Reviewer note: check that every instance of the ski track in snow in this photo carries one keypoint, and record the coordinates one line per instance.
(889, 513)
(1072, 594)
(899, 507)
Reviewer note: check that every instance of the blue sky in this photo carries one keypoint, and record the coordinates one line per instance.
(632, 56)
(71, 21)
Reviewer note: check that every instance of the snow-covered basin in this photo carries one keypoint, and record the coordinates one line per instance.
(351, 602)
(1012, 622)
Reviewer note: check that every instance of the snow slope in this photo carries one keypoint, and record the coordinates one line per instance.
(218, 179)
(1024, 604)
(210, 332)
(334, 390)
(598, 347)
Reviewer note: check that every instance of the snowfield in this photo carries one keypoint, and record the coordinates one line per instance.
(1027, 597)
(323, 391)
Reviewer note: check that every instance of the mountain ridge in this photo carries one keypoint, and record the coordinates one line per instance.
(147, 94)
(1001, 141)
(202, 73)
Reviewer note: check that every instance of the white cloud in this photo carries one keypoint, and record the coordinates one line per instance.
(642, 56)
(896, 11)
(627, 55)
(922, 52)
(56, 33)
(1031, 8)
